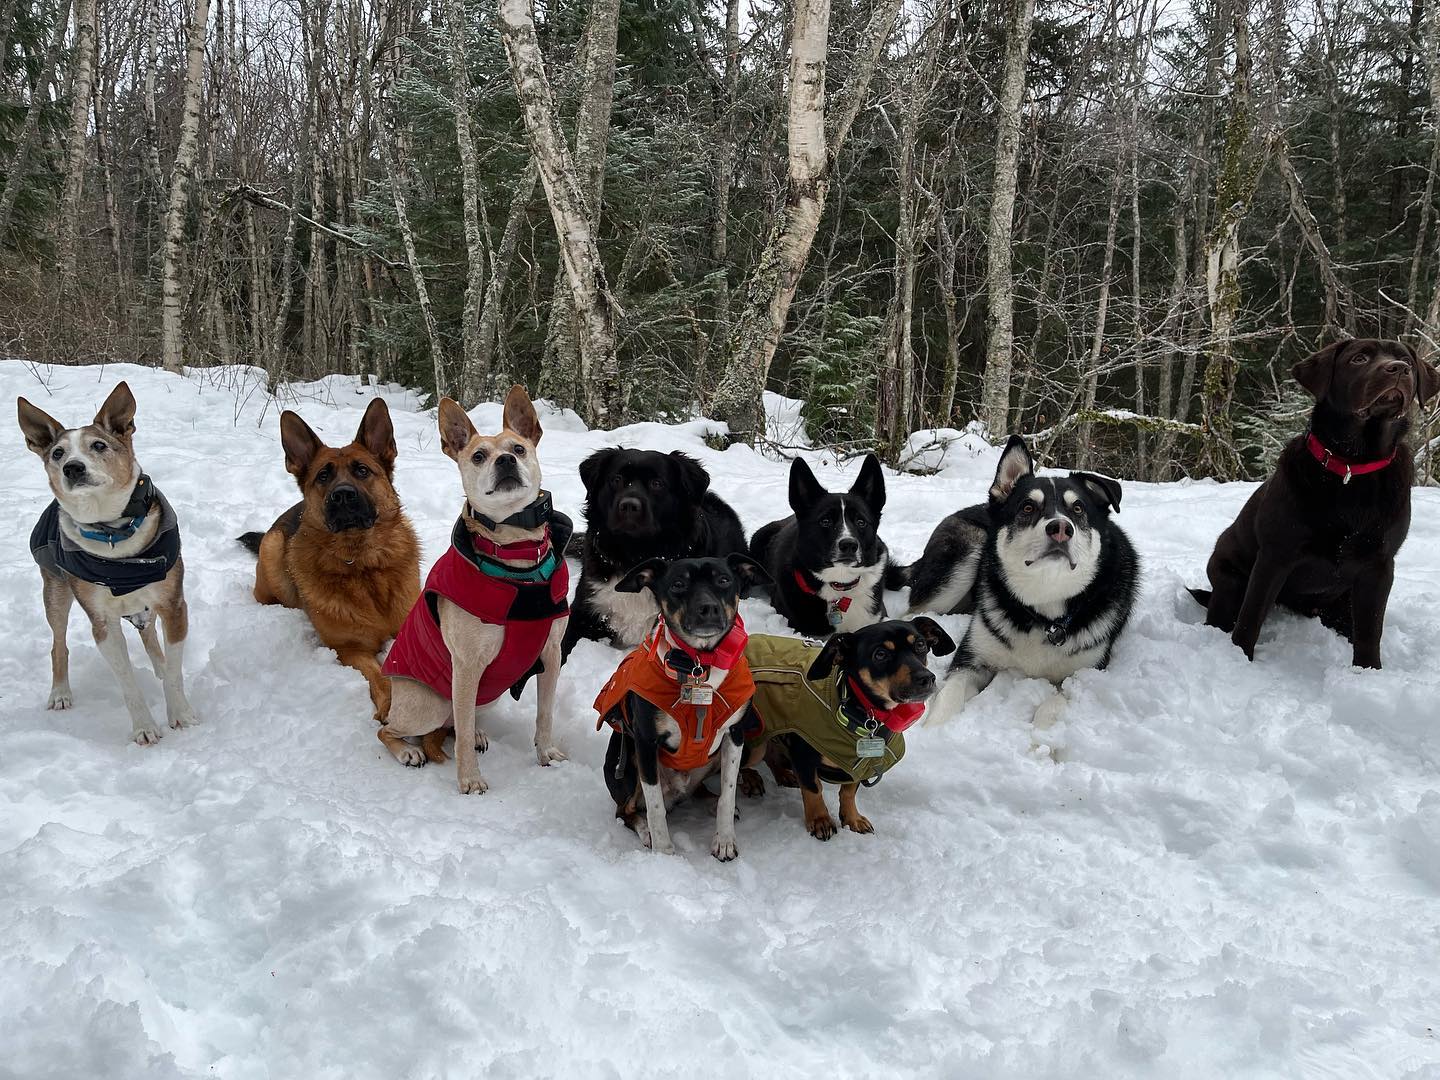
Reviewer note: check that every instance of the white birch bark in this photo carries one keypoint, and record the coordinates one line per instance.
(68, 218)
(475, 378)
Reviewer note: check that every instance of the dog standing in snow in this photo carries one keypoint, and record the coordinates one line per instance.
(679, 703)
(111, 542)
(494, 605)
(1054, 584)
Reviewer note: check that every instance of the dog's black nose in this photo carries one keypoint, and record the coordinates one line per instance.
(344, 495)
(923, 680)
(630, 506)
(848, 546)
(505, 462)
(706, 610)
(1059, 530)
(74, 470)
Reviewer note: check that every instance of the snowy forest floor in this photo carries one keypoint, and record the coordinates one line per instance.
(1214, 868)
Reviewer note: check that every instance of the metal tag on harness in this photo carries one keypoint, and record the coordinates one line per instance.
(697, 694)
(870, 747)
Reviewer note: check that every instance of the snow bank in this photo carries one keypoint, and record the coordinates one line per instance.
(1225, 868)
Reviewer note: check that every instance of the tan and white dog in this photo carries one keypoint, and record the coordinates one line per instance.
(110, 541)
(494, 605)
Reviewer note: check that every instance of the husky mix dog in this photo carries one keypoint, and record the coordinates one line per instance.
(1054, 586)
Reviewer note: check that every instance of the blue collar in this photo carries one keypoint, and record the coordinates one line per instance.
(132, 517)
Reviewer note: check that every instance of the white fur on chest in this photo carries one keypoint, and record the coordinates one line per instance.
(630, 616)
(1031, 654)
(863, 610)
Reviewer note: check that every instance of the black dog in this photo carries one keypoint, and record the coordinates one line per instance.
(943, 578)
(641, 504)
(1320, 535)
(836, 714)
(679, 703)
(1055, 584)
(827, 560)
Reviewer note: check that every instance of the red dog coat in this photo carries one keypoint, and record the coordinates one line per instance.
(525, 608)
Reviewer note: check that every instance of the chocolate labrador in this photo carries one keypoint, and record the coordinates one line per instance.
(1320, 535)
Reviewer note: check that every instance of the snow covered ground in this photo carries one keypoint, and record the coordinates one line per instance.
(1224, 869)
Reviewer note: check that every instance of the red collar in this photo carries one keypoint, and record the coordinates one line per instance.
(897, 718)
(841, 603)
(1340, 466)
(724, 655)
(521, 550)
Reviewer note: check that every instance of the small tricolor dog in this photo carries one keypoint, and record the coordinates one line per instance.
(837, 713)
(110, 541)
(494, 606)
(678, 701)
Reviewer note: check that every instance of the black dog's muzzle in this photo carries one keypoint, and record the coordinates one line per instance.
(347, 508)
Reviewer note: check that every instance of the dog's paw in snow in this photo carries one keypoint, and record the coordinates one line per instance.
(955, 693)
(182, 717)
(473, 784)
(60, 698)
(1051, 711)
(548, 755)
(412, 756)
(148, 735)
(723, 848)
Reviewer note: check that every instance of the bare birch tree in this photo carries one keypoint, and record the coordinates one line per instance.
(68, 217)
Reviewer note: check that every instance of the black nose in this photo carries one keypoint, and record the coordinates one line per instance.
(505, 461)
(847, 546)
(1059, 530)
(706, 610)
(630, 506)
(924, 679)
(345, 495)
(74, 470)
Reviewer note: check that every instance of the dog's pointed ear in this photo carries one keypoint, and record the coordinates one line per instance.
(456, 429)
(117, 415)
(748, 570)
(1316, 370)
(1427, 379)
(377, 435)
(1014, 463)
(694, 480)
(300, 443)
(594, 468)
(829, 656)
(520, 414)
(639, 578)
(941, 643)
(805, 490)
(869, 486)
(1104, 488)
(39, 427)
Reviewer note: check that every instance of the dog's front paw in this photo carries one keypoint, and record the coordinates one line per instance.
(412, 756)
(822, 828)
(148, 735)
(1050, 711)
(647, 839)
(60, 698)
(548, 755)
(473, 784)
(724, 848)
(752, 784)
(482, 741)
(182, 717)
(1244, 645)
(858, 823)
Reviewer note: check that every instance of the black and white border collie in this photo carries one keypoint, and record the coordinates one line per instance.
(827, 560)
(1054, 587)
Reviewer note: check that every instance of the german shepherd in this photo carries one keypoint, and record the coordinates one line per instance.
(346, 554)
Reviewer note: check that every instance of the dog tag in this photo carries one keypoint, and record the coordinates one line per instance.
(870, 747)
(698, 695)
(834, 616)
(1056, 634)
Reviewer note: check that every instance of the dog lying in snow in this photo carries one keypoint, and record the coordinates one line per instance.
(678, 702)
(1054, 583)
(111, 542)
(494, 605)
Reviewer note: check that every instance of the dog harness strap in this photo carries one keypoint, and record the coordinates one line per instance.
(131, 518)
(57, 553)
(724, 655)
(1341, 466)
(531, 517)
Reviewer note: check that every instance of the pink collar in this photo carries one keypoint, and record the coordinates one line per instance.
(1340, 466)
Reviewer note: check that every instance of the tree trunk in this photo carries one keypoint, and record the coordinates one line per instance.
(171, 332)
(1233, 191)
(599, 375)
(500, 260)
(945, 242)
(1309, 229)
(68, 225)
(25, 140)
(999, 280)
(1432, 66)
(474, 378)
(1091, 373)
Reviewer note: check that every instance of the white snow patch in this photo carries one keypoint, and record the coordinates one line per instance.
(1225, 868)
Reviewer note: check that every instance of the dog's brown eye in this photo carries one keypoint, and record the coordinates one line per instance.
(657, 484)
(519, 450)
(98, 446)
(58, 453)
(478, 457)
(617, 481)
(1078, 510)
(361, 471)
(324, 475)
(826, 522)
(882, 654)
(722, 582)
(1359, 358)
(1027, 509)
(861, 522)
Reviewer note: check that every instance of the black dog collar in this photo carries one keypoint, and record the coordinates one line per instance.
(531, 517)
(130, 519)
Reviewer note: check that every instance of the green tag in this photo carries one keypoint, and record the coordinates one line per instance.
(870, 748)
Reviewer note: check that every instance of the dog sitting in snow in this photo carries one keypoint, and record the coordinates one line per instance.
(827, 559)
(836, 713)
(111, 542)
(1054, 583)
(494, 605)
(678, 703)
